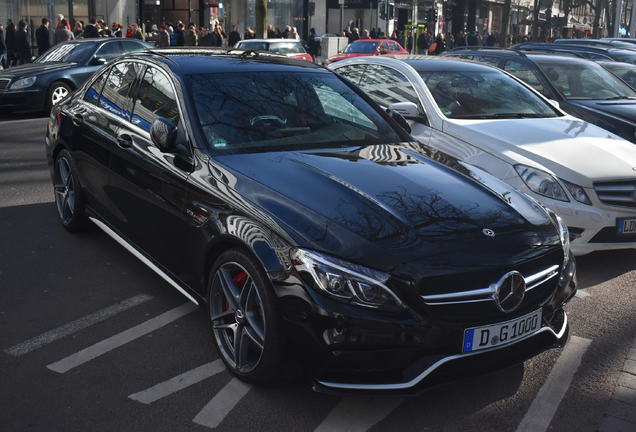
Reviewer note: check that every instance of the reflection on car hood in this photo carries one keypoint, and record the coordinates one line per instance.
(624, 108)
(387, 205)
(348, 55)
(34, 69)
(571, 148)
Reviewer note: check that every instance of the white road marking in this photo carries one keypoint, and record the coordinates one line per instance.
(179, 382)
(75, 326)
(581, 293)
(545, 404)
(220, 405)
(357, 414)
(102, 347)
(5, 122)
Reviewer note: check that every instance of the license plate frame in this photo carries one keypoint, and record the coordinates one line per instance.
(622, 222)
(510, 331)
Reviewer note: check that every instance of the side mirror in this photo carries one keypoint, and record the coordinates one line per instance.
(97, 61)
(163, 134)
(400, 120)
(409, 111)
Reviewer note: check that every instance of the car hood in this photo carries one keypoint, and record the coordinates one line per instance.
(572, 149)
(624, 108)
(35, 69)
(387, 207)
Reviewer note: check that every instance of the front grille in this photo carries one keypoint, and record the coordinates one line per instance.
(4, 83)
(619, 193)
(468, 297)
(609, 235)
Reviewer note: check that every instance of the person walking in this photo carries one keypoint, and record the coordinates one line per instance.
(179, 36)
(116, 30)
(62, 33)
(190, 38)
(78, 31)
(3, 49)
(9, 41)
(22, 44)
(90, 31)
(43, 36)
(235, 37)
(219, 36)
(163, 38)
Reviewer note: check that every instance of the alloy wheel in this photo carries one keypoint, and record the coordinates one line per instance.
(238, 317)
(58, 94)
(65, 191)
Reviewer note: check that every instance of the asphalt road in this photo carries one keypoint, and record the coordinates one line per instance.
(82, 291)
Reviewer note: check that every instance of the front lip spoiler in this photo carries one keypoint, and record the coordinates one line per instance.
(437, 364)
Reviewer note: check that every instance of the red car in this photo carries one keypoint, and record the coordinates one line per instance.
(369, 47)
(288, 47)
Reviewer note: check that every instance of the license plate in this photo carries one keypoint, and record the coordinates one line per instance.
(626, 226)
(479, 338)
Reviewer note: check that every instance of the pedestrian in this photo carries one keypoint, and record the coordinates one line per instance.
(394, 36)
(62, 34)
(355, 35)
(163, 38)
(179, 37)
(423, 43)
(3, 49)
(235, 36)
(104, 31)
(90, 31)
(206, 37)
(116, 30)
(440, 42)
(43, 36)
(190, 38)
(22, 44)
(249, 33)
(313, 43)
(285, 32)
(12, 58)
(271, 33)
(78, 30)
(137, 33)
(218, 36)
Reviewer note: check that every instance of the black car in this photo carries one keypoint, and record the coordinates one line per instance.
(601, 43)
(625, 71)
(619, 54)
(582, 88)
(52, 76)
(307, 221)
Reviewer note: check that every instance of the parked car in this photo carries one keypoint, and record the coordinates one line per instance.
(487, 118)
(52, 76)
(582, 88)
(286, 47)
(276, 195)
(589, 52)
(625, 71)
(369, 47)
(607, 43)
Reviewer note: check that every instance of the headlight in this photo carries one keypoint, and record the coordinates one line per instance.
(541, 182)
(23, 83)
(347, 282)
(577, 192)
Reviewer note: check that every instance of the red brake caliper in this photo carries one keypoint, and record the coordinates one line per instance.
(239, 279)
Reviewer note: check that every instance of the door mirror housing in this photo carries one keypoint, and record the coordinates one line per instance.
(395, 115)
(554, 103)
(409, 111)
(98, 61)
(163, 134)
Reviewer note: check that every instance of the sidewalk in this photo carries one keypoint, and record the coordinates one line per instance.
(621, 414)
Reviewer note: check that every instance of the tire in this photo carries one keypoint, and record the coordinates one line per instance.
(57, 92)
(246, 313)
(69, 199)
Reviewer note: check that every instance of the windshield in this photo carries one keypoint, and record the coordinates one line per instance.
(626, 74)
(483, 95)
(584, 81)
(284, 48)
(256, 112)
(361, 47)
(624, 56)
(67, 53)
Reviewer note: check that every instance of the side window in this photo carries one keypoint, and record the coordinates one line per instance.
(493, 61)
(131, 46)
(526, 75)
(387, 86)
(94, 91)
(110, 50)
(393, 47)
(116, 94)
(384, 47)
(153, 99)
(336, 106)
(353, 73)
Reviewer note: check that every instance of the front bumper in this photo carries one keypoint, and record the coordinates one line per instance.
(349, 349)
(29, 99)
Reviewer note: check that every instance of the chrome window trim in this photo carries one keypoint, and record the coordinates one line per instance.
(440, 362)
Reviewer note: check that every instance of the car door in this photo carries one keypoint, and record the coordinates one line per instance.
(150, 185)
(387, 86)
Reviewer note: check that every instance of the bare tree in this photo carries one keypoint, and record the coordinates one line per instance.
(535, 19)
(505, 22)
(261, 19)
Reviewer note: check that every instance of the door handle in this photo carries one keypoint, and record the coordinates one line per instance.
(78, 119)
(125, 141)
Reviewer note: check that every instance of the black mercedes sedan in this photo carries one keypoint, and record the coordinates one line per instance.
(52, 76)
(307, 222)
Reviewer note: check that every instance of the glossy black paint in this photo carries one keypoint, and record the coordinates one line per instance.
(617, 116)
(34, 98)
(397, 207)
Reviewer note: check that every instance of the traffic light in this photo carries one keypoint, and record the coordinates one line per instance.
(434, 15)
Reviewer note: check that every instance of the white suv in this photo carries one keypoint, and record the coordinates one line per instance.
(485, 117)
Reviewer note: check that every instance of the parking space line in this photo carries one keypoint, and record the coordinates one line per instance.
(222, 404)
(357, 414)
(75, 326)
(582, 293)
(178, 382)
(545, 404)
(102, 347)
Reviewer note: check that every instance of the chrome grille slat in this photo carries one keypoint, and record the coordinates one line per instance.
(618, 193)
(485, 294)
(4, 83)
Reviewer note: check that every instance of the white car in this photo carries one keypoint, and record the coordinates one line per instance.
(489, 119)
